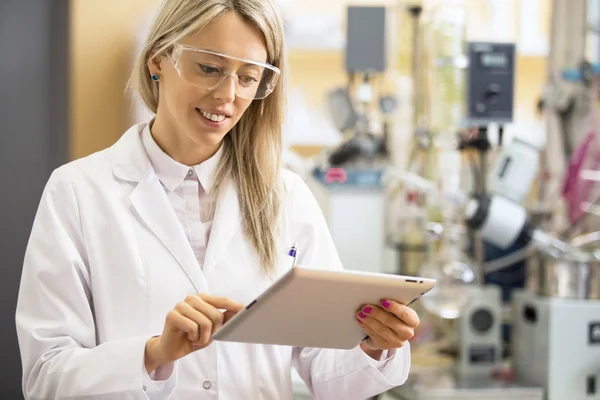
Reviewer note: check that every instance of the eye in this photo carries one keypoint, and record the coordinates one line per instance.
(248, 80)
(207, 69)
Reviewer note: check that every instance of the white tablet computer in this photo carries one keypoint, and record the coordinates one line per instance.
(317, 308)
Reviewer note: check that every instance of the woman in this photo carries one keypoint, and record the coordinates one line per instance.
(140, 252)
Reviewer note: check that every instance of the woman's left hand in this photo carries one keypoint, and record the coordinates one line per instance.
(388, 325)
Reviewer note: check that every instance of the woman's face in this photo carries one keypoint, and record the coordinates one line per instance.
(192, 117)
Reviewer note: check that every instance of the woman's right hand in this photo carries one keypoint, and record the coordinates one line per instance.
(188, 328)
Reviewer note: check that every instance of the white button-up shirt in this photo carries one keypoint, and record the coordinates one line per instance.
(187, 189)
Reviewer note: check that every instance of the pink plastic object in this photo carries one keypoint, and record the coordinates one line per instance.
(586, 156)
(336, 174)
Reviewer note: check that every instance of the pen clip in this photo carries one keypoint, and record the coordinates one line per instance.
(292, 253)
(293, 250)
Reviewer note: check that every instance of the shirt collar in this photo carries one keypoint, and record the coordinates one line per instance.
(172, 173)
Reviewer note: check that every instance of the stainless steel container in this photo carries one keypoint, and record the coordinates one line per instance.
(573, 275)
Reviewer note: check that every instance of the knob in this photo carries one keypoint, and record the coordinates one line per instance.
(492, 91)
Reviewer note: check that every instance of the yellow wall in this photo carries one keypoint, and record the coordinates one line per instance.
(529, 81)
(102, 40)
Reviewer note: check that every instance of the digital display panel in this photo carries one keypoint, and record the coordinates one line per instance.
(494, 60)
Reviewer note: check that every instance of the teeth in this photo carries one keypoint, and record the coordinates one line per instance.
(213, 117)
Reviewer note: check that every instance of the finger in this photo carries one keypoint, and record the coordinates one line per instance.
(381, 315)
(404, 313)
(216, 317)
(401, 331)
(386, 332)
(222, 303)
(203, 323)
(228, 315)
(375, 337)
(183, 324)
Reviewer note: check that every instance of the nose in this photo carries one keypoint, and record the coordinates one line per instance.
(226, 90)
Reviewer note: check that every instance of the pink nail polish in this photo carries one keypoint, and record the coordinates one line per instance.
(367, 310)
(386, 303)
(362, 315)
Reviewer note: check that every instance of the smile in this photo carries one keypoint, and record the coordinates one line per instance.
(213, 117)
(212, 120)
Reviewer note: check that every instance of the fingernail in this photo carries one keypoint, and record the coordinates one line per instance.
(386, 303)
(359, 321)
(367, 310)
(362, 315)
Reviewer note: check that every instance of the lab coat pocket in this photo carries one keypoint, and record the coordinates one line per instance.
(273, 367)
(166, 282)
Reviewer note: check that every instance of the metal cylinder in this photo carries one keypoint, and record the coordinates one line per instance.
(569, 279)
(572, 275)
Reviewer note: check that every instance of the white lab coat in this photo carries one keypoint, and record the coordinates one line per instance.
(108, 259)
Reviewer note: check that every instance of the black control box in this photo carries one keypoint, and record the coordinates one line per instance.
(490, 83)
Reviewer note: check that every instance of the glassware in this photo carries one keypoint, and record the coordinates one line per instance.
(446, 35)
(455, 275)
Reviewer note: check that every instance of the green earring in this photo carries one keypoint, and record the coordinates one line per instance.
(154, 77)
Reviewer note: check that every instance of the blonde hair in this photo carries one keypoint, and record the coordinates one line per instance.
(252, 149)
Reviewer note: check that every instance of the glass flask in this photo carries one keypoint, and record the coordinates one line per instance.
(445, 40)
(455, 275)
(406, 228)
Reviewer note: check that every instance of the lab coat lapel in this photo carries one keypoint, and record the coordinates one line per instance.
(131, 164)
(151, 203)
(226, 222)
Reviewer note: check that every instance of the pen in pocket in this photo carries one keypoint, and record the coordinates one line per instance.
(292, 253)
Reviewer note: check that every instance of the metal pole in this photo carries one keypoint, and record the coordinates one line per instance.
(479, 250)
(415, 12)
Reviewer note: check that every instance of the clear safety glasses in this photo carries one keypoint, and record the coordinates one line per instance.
(207, 70)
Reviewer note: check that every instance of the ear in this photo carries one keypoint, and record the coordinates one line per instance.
(155, 65)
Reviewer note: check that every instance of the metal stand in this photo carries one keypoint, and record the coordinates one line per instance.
(480, 143)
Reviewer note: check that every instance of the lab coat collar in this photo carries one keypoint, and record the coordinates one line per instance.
(172, 173)
(128, 157)
(149, 199)
(130, 160)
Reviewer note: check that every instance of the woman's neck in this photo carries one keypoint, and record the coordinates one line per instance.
(179, 146)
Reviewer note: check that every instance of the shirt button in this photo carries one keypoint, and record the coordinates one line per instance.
(206, 385)
(190, 172)
(144, 387)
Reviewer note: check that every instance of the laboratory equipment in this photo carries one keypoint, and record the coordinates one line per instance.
(453, 271)
(556, 322)
(347, 179)
(549, 349)
(365, 146)
(499, 213)
(574, 274)
(341, 109)
(446, 63)
(490, 83)
(365, 39)
(480, 345)
(556, 345)
(406, 225)
(415, 12)
(352, 108)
